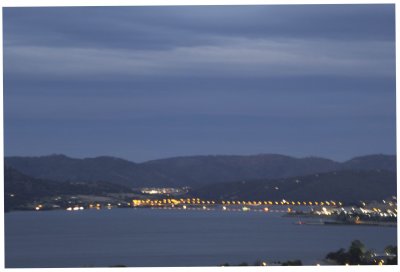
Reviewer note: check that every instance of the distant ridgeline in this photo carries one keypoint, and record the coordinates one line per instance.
(267, 176)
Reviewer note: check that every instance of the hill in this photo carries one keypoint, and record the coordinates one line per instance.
(346, 185)
(63, 168)
(369, 162)
(194, 171)
(199, 170)
(20, 189)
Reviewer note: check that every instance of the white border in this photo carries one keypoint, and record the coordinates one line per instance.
(65, 3)
(61, 3)
(1, 146)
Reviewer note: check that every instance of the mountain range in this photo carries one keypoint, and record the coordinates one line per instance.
(258, 177)
(192, 171)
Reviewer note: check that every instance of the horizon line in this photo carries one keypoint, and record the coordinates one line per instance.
(204, 155)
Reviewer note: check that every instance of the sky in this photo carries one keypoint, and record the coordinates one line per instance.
(144, 83)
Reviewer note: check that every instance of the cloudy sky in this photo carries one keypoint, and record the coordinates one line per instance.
(150, 82)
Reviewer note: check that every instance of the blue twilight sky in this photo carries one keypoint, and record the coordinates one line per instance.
(150, 82)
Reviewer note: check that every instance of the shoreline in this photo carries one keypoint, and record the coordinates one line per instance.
(322, 222)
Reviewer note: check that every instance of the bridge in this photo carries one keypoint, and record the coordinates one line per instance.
(196, 202)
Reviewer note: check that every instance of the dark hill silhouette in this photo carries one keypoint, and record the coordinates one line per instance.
(63, 168)
(194, 171)
(20, 189)
(346, 185)
(379, 161)
(197, 170)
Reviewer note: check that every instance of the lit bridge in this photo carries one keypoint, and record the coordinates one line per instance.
(195, 202)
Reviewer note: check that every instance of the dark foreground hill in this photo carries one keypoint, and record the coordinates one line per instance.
(20, 189)
(194, 171)
(347, 186)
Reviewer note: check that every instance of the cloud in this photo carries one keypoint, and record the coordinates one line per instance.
(168, 27)
(233, 57)
(268, 77)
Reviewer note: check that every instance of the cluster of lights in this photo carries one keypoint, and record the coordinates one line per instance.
(95, 206)
(161, 191)
(324, 211)
(198, 201)
(171, 201)
(354, 211)
(378, 212)
(76, 208)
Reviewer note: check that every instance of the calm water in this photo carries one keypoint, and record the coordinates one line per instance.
(146, 237)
